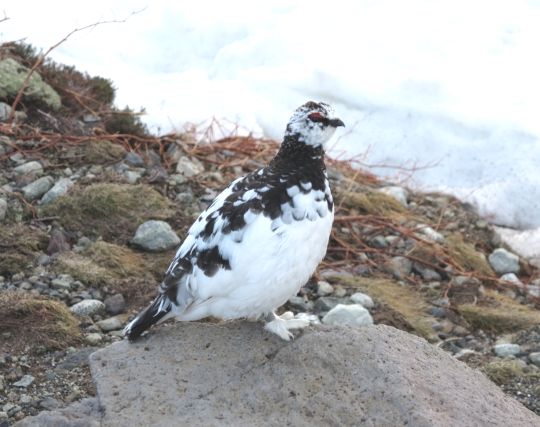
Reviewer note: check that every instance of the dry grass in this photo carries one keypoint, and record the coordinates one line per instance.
(36, 323)
(503, 371)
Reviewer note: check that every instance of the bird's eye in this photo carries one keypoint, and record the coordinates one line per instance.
(316, 117)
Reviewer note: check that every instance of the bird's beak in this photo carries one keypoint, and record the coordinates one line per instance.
(335, 123)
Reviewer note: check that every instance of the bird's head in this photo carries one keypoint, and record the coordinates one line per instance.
(313, 124)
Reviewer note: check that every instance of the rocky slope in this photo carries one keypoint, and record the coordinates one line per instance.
(89, 220)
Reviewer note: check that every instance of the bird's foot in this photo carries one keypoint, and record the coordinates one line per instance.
(281, 325)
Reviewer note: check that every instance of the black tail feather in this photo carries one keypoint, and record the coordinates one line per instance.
(159, 308)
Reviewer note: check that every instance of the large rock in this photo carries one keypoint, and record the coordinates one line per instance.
(12, 75)
(237, 374)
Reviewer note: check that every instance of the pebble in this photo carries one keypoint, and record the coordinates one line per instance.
(60, 188)
(155, 236)
(3, 209)
(189, 167)
(426, 272)
(87, 307)
(324, 288)
(506, 349)
(504, 261)
(29, 167)
(133, 159)
(353, 314)
(326, 303)
(398, 193)
(111, 324)
(299, 303)
(132, 176)
(49, 403)
(62, 282)
(38, 188)
(400, 267)
(535, 358)
(115, 304)
(25, 381)
(93, 338)
(511, 277)
(379, 242)
(363, 299)
(429, 233)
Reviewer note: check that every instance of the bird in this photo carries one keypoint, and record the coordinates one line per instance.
(259, 241)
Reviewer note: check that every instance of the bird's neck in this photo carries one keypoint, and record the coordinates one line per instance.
(294, 154)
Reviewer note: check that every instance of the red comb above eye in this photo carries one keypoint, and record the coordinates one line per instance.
(316, 117)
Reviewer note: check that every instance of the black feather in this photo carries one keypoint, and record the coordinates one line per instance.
(150, 316)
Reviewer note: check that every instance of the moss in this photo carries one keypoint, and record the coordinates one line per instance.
(467, 257)
(127, 122)
(402, 299)
(102, 151)
(20, 246)
(112, 211)
(503, 371)
(372, 203)
(35, 322)
(499, 314)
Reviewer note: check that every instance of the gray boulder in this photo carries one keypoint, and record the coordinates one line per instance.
(348, 314)
(504, 261)
(155, 236)
(12, 75)
(38, 188)
(237, 374)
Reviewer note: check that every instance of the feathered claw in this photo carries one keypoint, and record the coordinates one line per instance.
(281, 325)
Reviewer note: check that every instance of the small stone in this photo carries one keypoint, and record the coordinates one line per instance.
(189, 167)
(535, 358)
(62, 282)
(299, 303)
(430, 234)
(400, 267)
(60, 188)
(87, 307)
(11, 409)
(511, 277)
(155, 236)
(25, 381)
(398, 193)
(326, 303)
(340, 292)
(379, 242)
(25, 399)
(111, 324)
(5, 110)
(133, 159)
(506, 350)
(93, 338)
(29, 167)
(353, 314)
(363, 299)
(132, 176)
(3, 416)
(504, 261)
(324, 288)
(439, 312)
(115, 304)
(426, 272)
(38, 188)
(44, 259)
(49, 403)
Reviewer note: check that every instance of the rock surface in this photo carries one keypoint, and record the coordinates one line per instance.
(237, 374)
(155, 236)
(503, 261)
(85, 413)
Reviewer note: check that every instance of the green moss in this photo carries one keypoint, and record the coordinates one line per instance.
(503, 315)
(35, 322)
(467, 257)
(102, 151)
(126, 121)
(19, 245)
(112, 211)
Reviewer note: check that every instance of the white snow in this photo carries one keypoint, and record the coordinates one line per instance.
(450, 89)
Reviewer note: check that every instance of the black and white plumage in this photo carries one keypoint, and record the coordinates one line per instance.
(259, 241)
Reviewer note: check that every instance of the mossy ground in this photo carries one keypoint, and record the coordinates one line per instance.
(19, 247)
(35, 323)
(100, 152)
(498, 313)
(112, 211)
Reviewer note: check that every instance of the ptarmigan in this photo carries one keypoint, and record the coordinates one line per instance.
(259, 241)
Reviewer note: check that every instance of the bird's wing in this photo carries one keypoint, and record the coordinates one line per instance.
(228, 216)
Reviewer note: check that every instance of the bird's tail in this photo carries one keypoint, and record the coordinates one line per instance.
(151, 315)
